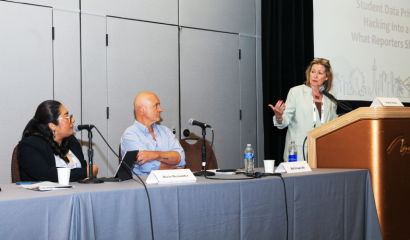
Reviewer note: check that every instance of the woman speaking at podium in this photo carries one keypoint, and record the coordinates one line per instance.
(48, 143)
(305, 107)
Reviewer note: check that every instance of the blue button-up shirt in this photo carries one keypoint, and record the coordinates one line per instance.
(138, 137)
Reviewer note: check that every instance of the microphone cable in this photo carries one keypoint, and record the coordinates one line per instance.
(333, 99)
(344, 106)
(146, 190)
(303, 150)
(286, 200)
(286, 207)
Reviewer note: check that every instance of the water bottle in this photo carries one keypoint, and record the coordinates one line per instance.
(249, 158)
(293, 152)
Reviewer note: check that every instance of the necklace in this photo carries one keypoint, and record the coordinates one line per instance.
(315, 96)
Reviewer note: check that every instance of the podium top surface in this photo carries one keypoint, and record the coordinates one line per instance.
(357, 115)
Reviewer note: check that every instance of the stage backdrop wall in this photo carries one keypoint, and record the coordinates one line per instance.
(59, 50)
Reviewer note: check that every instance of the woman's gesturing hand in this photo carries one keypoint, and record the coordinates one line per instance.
(278, 109)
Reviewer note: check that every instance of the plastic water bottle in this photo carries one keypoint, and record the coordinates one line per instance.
(249, 158)
(293, 152)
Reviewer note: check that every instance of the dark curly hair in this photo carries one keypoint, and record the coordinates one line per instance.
(47, 112)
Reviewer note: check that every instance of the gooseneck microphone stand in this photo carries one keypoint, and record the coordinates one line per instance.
(90, 179)
(204, 172)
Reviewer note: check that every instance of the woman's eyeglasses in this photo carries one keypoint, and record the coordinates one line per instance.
(70, 118)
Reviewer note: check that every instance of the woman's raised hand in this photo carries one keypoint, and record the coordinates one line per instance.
(278, 109)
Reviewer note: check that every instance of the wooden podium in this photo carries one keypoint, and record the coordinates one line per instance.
(377, 139)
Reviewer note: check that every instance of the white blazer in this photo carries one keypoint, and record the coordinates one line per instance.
(298, 117)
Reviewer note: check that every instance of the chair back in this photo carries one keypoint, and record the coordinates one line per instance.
(15, 173)
(193, 155)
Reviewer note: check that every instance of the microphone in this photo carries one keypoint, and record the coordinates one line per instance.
(193, 122)
(330, 96)
(78, 128)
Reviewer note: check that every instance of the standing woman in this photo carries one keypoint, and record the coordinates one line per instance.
(306, 108)
(48, 143)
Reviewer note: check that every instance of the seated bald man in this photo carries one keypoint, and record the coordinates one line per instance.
(158, 147)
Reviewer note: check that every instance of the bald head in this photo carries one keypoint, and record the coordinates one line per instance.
(147, 108)
(143, 98)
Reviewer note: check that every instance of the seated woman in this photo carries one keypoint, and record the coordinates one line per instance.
(48, 143)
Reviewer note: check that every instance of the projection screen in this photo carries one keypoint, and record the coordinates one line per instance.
(368, 45)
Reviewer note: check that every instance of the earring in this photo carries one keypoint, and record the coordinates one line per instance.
(54, 134)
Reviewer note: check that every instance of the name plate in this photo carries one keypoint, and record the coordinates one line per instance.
(293, 167)
(171, 176)
(386, 102)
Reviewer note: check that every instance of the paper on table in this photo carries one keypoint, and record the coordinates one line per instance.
(45, 186)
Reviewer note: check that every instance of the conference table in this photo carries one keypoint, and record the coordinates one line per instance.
(321, 204)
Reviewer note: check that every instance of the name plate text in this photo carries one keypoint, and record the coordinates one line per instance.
(386, 102)
(171, 176)
(293, 167)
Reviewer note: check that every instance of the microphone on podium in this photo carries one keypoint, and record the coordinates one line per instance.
(330, 96)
